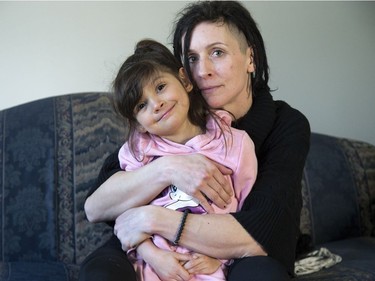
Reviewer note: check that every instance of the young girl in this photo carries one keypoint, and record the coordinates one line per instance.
(166, 116)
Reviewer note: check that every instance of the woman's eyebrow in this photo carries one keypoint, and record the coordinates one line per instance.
(210, 46)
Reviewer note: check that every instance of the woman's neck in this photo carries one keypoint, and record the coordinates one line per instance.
(241, 106)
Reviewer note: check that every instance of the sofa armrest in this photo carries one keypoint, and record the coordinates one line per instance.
(361, 158)
(338, 189)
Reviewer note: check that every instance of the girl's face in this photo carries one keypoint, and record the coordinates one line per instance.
(163, 109)
(221, 62)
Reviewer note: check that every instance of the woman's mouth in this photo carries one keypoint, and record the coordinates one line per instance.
(209, 90)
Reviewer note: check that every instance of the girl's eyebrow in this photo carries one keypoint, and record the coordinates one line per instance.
(153, 79)
(156, 80)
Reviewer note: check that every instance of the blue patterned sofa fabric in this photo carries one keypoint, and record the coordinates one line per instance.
(29, 194)
(31, 271)
(51, 151)
(339, 206)
(338, 189)
(332, 191)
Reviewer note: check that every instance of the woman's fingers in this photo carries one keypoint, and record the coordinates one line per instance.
(201, 178)
(218, 189)
(202, 200)
(222, 181)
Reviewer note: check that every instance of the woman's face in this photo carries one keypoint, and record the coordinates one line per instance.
(221, 62)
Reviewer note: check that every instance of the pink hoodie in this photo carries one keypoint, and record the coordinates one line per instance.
(236, 152)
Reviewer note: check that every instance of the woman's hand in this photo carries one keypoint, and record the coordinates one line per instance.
(200, 178)
(130, 227)
(201, 264)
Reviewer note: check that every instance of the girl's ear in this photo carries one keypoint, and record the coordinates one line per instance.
(185, 81)
(141, 129)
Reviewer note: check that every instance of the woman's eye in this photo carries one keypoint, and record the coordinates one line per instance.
(192, 59)
(217, 53)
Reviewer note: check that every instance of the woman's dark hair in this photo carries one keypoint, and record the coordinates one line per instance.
(149, 59)
(232, 13)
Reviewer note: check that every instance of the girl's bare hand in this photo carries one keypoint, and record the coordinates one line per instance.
(168, 266)
(201, 264)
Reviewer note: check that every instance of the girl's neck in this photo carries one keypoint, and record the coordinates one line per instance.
(188, 133)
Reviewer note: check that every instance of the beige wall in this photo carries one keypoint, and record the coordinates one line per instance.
(321, 54)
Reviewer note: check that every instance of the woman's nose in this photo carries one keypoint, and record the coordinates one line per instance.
(204, 68)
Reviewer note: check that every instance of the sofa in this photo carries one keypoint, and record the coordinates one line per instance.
(51, 151)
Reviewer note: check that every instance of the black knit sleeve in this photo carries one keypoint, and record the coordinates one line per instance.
(271, 212)
(111, 166)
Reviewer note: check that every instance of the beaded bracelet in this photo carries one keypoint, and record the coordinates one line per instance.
(181, 227)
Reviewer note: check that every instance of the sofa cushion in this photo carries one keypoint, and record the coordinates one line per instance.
(33, 271)
(51, 151)
(358, 260)
(337, 189)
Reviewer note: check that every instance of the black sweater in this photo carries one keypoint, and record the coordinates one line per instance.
(271, 212)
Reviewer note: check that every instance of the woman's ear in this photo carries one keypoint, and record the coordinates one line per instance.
(185, 81)
(251, 63)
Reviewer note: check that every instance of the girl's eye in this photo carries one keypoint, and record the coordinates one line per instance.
(140, 106)
(160, 87)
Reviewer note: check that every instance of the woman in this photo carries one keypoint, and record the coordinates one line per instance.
(223, 52)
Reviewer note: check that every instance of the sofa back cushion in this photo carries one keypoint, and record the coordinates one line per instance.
(51, 151)
(338, 189)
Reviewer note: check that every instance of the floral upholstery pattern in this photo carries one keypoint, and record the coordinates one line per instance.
(51, 151)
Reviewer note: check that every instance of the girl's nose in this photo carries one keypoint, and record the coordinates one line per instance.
(158, 104)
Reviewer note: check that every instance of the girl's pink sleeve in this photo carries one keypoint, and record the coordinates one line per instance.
(127, 160)
(245, 175)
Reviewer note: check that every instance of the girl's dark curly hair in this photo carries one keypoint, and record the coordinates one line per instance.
(149, 59)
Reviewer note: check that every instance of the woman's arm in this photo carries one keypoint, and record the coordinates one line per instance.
(125, 190)
(194, 174)
(219, 236)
